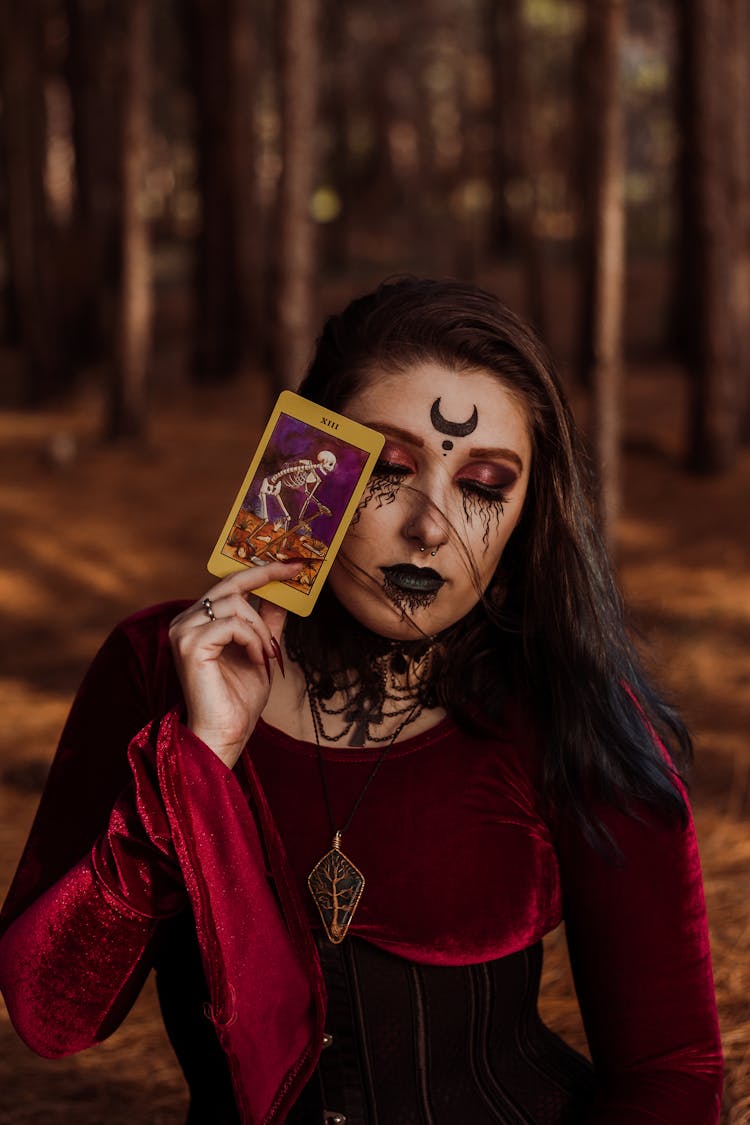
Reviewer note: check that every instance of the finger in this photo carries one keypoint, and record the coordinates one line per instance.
(251, 578)
(242, 583)
(208, 644)
(231, 605)
(268, 620)
(257, 619)
(273, 617)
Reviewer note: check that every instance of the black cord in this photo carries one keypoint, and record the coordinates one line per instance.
(381, 757)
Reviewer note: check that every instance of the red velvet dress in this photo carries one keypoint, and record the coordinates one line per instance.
(461, 869)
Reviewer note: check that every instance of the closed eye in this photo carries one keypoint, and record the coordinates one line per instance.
(391, 469)
(395, 460)
(492, 492)
(488, 481)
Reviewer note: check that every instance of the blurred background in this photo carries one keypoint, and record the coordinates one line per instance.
(187, 187)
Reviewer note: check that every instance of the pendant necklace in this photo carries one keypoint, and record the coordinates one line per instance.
(335, 883)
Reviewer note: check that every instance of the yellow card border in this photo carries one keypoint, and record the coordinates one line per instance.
(327, 422)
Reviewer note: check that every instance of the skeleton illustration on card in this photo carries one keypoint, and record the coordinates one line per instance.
(298, 497)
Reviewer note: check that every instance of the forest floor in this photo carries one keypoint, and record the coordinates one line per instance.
(91, 533)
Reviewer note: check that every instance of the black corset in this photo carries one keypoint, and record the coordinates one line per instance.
(410, 1044)
(429, 1045)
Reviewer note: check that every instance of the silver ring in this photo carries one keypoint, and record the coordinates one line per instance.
(209, 608)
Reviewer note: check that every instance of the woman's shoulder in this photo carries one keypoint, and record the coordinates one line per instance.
(152, 620)
(147, 630)
(136, 658)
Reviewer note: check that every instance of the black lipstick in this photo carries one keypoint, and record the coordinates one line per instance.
(414, 579)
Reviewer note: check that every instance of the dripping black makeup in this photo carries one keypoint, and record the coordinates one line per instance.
(484, 481)
(489, 472)
(484, 493)
(462, 502)
(411, 587)
(381, 490)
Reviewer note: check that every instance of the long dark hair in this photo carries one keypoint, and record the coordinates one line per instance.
(550, 628)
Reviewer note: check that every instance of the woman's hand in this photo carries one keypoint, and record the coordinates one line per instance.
(223, 647)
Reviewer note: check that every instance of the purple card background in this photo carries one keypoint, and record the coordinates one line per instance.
(293, 440)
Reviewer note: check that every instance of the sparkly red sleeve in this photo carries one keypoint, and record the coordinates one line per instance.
(640, 953)
(97, 872)
(122, 839)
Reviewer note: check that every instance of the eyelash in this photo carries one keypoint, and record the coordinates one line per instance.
(493, 494)
(387, 469)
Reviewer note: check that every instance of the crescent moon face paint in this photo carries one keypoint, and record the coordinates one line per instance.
(452, 429)
(453, 475)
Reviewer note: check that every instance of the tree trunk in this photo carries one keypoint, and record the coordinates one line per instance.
(685, 296)
(607, 251)
(216, 292)
(295, 245)
(230, 271)
(739, 189)
(95, 81)
(248, 249)
(339, 98)
(453, 245)
(518, 164)
(586, 159)
(32, 257)
(127, 405)
(716, 401)
(503, 34)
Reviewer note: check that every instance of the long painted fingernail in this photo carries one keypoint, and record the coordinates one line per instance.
(277, 652)
(267, 662)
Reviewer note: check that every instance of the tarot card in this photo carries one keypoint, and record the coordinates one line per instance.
(298, 498)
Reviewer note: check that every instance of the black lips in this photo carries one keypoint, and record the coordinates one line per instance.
(410, 577)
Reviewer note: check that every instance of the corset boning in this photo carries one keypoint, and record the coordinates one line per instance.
(410, 1044)
(432, 1045)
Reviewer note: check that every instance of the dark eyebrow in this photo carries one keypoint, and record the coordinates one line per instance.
(505, 454)
(394, 431)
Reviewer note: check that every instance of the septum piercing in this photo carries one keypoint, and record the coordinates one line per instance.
(432, 553)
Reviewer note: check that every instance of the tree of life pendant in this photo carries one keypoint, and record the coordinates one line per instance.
(336, 886)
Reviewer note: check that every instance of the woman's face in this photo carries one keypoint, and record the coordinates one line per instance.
(455, 466)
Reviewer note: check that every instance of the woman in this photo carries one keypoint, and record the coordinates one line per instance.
(341, 839)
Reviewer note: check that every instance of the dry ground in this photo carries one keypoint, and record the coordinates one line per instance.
(91, 534)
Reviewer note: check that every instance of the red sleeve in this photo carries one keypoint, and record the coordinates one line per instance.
(97, 872)
(120, 840)
(640, 954)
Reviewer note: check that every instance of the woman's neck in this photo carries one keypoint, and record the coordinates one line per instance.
(390, 706)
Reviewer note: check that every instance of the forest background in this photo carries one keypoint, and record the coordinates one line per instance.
(187, 188)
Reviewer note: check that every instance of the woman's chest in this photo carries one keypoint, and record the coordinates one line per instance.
(457, 860)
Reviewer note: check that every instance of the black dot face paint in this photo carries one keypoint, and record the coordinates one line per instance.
(452, 429)
(447, 446)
